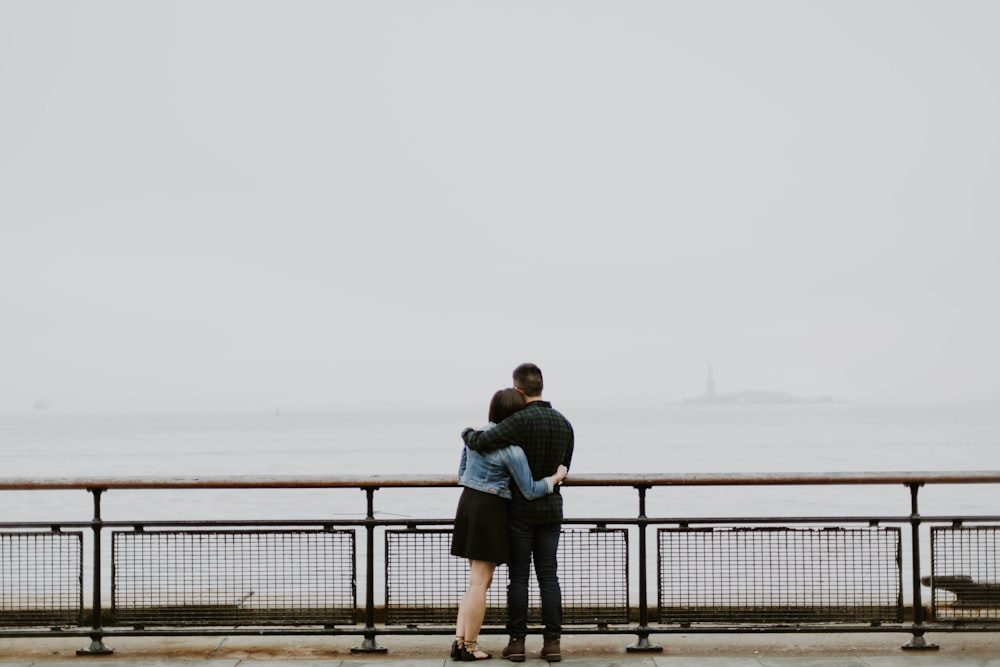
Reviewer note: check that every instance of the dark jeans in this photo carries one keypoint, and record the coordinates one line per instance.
(540, 542)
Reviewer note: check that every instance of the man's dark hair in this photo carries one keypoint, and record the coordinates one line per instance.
(528, 378)
(505, 403)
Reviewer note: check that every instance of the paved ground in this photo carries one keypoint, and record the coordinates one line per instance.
(769, 650)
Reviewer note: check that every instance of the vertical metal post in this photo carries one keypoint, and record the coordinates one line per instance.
(643, 644)
(918, 641)
(97, 646)
(369, 645)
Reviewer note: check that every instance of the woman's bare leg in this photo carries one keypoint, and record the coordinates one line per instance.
(472, 608)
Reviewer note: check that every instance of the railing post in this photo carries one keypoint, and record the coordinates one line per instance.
(918, 641)
(643, 644)
(369, 645)
(97, 646)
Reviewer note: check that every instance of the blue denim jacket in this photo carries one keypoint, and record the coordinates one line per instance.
(492, 471)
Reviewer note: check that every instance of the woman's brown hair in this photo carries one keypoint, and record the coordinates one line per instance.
(505, 403)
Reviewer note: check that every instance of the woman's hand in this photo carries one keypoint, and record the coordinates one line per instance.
(560, 475)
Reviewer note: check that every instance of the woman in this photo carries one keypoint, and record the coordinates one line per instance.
(482, 516)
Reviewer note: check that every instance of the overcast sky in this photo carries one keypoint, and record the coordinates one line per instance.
(323, 203)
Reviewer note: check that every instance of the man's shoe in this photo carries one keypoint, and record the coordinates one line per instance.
(550, 650)
(514, 651)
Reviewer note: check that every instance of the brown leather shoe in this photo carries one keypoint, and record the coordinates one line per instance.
(514, 651)
(550, 650)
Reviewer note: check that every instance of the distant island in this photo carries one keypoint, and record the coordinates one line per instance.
(751, 397)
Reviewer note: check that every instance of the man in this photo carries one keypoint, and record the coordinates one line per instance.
(547, 439)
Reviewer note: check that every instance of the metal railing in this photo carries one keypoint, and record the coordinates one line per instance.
(287, 576)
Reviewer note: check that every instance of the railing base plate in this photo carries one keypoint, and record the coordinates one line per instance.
(919, 644)
(369, 645)
(96, 647)
(644, 646)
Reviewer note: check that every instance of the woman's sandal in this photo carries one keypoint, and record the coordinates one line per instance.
(470, 655)
(456, 651)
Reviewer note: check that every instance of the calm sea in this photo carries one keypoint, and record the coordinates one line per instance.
(671, 438)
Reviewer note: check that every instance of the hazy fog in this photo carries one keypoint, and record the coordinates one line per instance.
(262, 204)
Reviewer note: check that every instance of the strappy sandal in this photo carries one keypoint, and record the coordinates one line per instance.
(469, 650)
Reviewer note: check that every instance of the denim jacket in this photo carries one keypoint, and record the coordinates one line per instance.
(491, 472)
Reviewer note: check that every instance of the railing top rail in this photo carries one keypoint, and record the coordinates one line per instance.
(604, 479)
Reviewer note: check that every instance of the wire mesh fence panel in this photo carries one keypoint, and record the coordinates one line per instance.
(286, 577)
(965, 573)
(593, 571)
(425, 583)
(769, 575)
(41, 581)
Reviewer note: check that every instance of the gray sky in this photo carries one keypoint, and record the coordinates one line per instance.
(326, 203)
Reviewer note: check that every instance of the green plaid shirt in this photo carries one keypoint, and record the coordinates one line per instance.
(547, 439)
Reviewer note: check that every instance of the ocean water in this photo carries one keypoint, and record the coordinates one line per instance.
(669, 438)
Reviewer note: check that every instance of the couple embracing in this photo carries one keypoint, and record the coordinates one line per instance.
(511, 512)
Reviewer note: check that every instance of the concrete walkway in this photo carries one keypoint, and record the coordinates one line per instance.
(771, 650)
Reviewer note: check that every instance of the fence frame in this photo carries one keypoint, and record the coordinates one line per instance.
(642, 483)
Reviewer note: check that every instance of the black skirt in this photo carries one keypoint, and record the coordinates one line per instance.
(481, 527)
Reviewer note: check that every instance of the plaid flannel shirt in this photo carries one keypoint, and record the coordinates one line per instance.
(547, 439)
